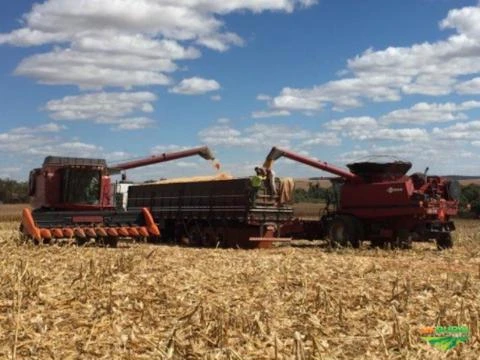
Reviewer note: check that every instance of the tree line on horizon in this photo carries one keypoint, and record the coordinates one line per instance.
(13, 192)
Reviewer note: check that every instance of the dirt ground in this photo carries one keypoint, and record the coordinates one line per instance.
(144, 301)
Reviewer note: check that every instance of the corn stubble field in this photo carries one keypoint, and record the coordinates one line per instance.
(143, 301)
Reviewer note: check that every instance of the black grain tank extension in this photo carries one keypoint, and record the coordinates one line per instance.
(375, 171)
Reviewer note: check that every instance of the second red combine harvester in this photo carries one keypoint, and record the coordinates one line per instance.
(380, 203)
(73, 198)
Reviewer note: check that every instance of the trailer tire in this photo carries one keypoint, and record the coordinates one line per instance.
(343, 232)
(444, 241)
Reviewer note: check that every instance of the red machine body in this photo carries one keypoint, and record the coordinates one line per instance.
(379, 202)
(72, 198)
(64, 183)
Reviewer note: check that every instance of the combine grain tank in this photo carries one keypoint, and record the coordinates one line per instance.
(72, 198)
(229, 213)
(379, 202)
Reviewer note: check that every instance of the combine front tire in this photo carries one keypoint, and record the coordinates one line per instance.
(444, 241)
(344, 232)
(402, 240)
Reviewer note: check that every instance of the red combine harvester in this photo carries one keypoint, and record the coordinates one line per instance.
(380, 203)
(73, 198)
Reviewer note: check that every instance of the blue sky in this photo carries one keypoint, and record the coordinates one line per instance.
(336, 80)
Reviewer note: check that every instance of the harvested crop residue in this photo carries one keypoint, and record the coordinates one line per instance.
(145, 301)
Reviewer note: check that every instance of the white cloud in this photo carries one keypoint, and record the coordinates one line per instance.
(195, 86)
(223, 134)
(45, 128)
(69, 148)
(126, 43)
(9, 172)
(352, 123)
(23, 139)
(263, 97)
(216, 97)
(367, 128)
(322, 138)
(460, 131)
(137, 45)
(424, 113)
(267, 114)
(95, 70)
(137, 123)
(100, 106)
(258, 136)
(433, 69)
(160, 149)
(409, 134)
(105, 108)
(220, 42)
(469, 87)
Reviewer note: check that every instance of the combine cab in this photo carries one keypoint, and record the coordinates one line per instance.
(72, 199)
(380, 203)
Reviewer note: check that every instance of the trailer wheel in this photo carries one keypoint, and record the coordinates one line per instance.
(210, 237)
(444, 241)
(343, 232)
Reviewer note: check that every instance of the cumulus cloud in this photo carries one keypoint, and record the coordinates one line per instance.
(368, 128)
(45, 128)
(105, 108)
(260, 136)
(352, 123)
(126, 43)
(69, 148)
(95, 70)
(195, 86)
(24, 139)
(424, 113)
(33, 143)
(322, 138)
(433, 69)
(136, 123)
(461, 131)
(100, 106)
(469, 87)
(267, 114)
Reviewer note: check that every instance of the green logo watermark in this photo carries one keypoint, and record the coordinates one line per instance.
(445, 337)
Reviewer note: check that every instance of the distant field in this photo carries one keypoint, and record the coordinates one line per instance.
(308, 210)
(305, 183)
(469, 181)
(11, 212)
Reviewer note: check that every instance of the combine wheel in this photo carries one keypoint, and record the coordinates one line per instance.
(343, 232)
(402, 239)
(444, 241)
(108, 241)
(379, 242)
(112, 241)
(80, 241)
